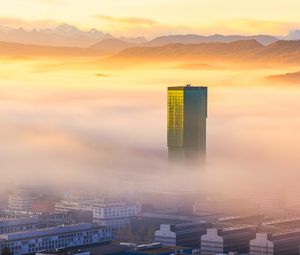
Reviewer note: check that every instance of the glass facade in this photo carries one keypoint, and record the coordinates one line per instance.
(175, 117)
(187, 113)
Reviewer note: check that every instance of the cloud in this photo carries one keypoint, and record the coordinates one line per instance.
(27, 24)
(254, 26)
(132, 21)
(59, 133)
(49, 1)
(134, 26)
(150, 27)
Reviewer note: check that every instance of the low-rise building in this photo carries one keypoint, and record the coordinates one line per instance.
(184, 234)
(18, 225)
(225, 240)
(22, 199)
(67, 205)
(65, 252)
(114, 214)
(238, 220)
(105, 213)
(16, 221)
(278, 243)
(157, 249)
(60, 237)
(66, 218)
(286, 223)
(160, 217)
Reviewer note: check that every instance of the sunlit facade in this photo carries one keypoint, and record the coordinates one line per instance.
(187, 113)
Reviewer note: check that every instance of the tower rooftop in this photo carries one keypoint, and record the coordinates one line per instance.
(188, 86)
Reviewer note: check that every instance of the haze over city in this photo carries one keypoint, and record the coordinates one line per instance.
(186, 108)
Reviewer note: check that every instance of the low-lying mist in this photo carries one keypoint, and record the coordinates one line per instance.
(67, 128)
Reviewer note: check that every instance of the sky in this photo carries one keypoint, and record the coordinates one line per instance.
(155, 17)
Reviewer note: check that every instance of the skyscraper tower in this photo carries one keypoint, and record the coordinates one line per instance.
(187, 113)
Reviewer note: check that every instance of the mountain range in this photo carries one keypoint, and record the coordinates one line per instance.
(245, 51)
(194, 39)
(63, 35)
(94, 43)
(70, 36)
(249, 51)
(113, 45)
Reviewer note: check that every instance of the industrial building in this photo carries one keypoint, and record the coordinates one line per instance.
(280, 243)
(184, 234)
(48, 239)
(105, 213)
(225, 240)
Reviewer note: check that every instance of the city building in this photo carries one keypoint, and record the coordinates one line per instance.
(112, 213)
(20, 220)
(60, 237)
(156, 249)
(67, 205)
(22, 199)
(280, 243)
(65, 252)
(143, 226)
(282, 224)
(6, 214)
(253, 220)
(225, 240)
(184, 234)
(160, 217)
(105, 212)
(187, 113)
(67, 218)
(22, 224)
(43, 205)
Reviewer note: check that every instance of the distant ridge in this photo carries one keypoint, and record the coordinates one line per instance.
(181, 51)
(202, 53)
(65, 35)
(195, 39)
(245, 50)
(112, 46)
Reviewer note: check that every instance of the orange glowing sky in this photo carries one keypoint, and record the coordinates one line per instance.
(156, 17)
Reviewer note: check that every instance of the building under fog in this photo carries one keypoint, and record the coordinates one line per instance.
(105, 212)
(184, 234)
(61, 237)
(281, 243)
(22, 199)
(19, 225)
(225, 240)
(112, 213)
(187, 113)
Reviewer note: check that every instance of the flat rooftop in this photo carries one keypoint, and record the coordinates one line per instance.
(170, 216)
(62, 252)
(188, 86)
(160, 250)
(43, 232)
(19, 222)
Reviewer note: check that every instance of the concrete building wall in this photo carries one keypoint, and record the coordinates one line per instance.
(211, 242)
(261, 245)
(165, 235)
